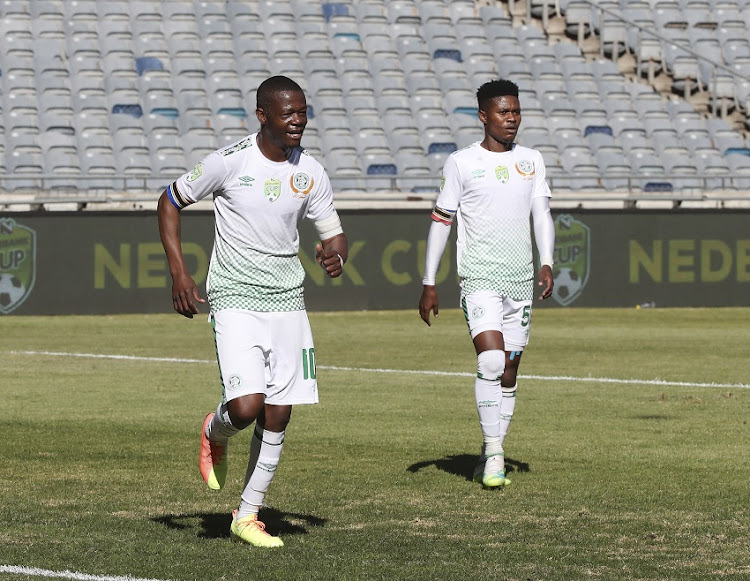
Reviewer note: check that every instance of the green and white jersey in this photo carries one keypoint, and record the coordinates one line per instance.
(490, 194)
(257, 205)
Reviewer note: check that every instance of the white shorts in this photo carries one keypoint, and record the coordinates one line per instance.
(488, 311)
(268, 353)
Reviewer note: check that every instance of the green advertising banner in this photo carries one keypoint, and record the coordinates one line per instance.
(97, 263)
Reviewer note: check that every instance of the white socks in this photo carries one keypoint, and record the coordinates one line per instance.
(265, 452)
(495, 404)
(220, 428)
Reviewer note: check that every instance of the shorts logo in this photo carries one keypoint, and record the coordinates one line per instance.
(234, 382)
(196, 173)
(246, 180)
(526, 169)
(477, 313)
(17, 264)
(272, 189)
(502, 174)
(301, 184)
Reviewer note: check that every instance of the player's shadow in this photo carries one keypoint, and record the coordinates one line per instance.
(463, 465)
(216, 526)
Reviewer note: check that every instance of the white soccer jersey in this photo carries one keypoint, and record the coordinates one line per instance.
(257, 205)
(490, 193)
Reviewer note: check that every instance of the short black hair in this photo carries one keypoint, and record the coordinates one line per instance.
(496, 88)
(272, 86)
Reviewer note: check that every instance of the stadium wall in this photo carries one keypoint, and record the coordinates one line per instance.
(105, 263)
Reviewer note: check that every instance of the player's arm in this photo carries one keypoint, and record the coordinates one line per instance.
(184, 290)
(333, 249)
(544, 234)
(437, 238)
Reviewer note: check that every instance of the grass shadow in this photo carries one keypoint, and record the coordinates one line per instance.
(463, 465)
(216, 525)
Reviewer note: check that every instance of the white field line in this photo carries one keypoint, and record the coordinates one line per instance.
(660, 382)
(34, 572)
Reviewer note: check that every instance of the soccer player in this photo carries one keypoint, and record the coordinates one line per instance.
(491, 187)
(262, 186)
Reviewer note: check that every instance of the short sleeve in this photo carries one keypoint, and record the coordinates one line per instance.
(204, 179)
(321, 199)
(451, 186)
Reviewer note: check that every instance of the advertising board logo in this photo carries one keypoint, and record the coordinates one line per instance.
(572, 258)
(17, 264)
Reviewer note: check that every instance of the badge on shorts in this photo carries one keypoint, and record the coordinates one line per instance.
(477, 313)
(272, 189)
(234, 382)
(301, 184)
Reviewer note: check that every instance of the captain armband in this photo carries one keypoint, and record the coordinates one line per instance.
(178, 200)
(329, 227)
(442, 215)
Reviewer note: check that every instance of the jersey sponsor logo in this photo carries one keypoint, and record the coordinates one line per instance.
(196, 173)
(301, 184)
(477, 174)
(17, 264)
(502, 174)
(272, 189)
(239, 146)
(525, 168)
(477, 313)
(246, 180)
(572, 264)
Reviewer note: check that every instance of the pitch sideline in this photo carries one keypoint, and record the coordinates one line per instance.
(35, 572)
(659, 382)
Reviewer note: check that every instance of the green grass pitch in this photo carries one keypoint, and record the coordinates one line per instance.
(646, 479)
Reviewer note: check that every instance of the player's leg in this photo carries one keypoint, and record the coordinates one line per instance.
(291, 380)
(242, 369)
(483, 312)
(517, 326)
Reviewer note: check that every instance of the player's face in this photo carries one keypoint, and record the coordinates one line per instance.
(285, 120)
(501, 117)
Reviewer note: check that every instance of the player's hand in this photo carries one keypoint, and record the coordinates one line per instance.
(184, 296)
(428, 302)
(546, 281)
(329, 260)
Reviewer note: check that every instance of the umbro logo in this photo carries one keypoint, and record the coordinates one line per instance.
(246, 180)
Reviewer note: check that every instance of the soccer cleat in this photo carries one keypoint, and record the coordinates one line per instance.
(213, 459)
(250, 530)
(494, 471)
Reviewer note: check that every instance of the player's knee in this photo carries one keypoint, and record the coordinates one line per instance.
(491, 364)
(243, 411)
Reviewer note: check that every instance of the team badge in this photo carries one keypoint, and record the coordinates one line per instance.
(442, 183)
(17, 264)
(525, 167)
(572, 252)
(196, 173)
(272, 189)
(246, 180)
(477, 313)
(234, 382)
(502, 174)
(301, 184)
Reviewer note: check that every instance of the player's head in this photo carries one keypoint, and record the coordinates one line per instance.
(499, 111)
(282, 112)
(497, 88)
